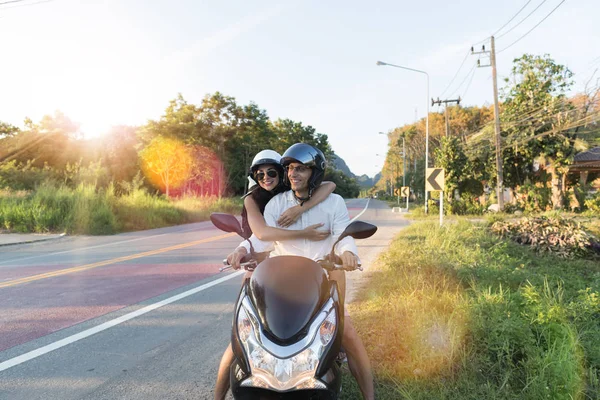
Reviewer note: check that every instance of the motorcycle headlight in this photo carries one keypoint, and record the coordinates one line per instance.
(281, 374)
(286, 373)
(327, 328)
(244, 325)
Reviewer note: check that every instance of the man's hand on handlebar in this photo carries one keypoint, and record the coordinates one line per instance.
(350, 261)
(235, 258)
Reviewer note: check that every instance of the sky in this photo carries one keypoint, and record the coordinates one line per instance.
(109, 62)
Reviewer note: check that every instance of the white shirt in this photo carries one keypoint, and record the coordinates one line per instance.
(331, 212)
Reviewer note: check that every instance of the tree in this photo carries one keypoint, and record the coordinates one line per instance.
(52, 142)
(345, 186)
(7, 130)
(206, 173)
(451, 157)
(118, 150)
(232, 132)
(538, 122)
(166, 162)
(289, 132)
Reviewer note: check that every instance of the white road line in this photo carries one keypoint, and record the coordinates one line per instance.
(97, 246)
(89, 332)
(362, 212)
(102, 327)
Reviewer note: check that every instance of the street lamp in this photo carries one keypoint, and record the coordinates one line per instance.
(427, 119)
(403, 154)
(391, 181)
(392, 178)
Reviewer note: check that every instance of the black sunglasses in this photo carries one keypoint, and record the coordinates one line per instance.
(271, 173)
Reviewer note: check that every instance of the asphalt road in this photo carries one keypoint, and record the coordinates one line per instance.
(142, 315)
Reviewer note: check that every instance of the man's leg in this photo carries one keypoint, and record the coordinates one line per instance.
(358, 360)
(222, 385)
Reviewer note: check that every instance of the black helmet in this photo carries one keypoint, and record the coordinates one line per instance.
(309, 156)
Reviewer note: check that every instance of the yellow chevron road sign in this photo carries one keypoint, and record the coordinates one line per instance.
(435, 180)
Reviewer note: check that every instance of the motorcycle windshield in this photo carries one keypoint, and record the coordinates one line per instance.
(287, 291)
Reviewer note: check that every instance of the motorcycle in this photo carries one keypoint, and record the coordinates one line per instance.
(288, 323)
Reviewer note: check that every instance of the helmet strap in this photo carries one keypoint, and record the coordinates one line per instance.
(302, 200)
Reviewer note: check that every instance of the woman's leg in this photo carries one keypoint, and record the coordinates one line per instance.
(222, 384)
(340, 277)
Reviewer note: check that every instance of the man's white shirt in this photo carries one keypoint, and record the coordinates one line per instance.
(331, 212)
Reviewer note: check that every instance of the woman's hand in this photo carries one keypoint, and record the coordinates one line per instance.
(313, 233)
(290, 216)
(235, 258)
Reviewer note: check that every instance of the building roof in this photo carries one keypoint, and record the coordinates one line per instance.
(590, 155)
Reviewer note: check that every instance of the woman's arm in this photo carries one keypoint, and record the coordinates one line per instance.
(268, 233)
(292, 214)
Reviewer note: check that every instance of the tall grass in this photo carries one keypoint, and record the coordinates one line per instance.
(455, 312)
(88, 210)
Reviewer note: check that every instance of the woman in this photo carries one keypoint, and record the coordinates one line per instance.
(268, 172)
(266, 180)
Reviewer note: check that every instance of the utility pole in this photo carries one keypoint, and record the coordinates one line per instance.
(391, 179)
(439, 102)
(499, 172)
(404, 170)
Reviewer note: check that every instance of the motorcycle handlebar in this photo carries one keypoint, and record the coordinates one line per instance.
(328, 265)
(337, 265)
(248, 265)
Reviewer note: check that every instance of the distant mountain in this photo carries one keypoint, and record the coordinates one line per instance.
(376, 178)
(340, 164)
(363, 181)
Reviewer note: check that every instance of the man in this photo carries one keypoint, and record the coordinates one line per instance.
(305, 167)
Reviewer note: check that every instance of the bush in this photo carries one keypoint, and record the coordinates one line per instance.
(467, 205)
(457, 313)
(594, 203)
(561, 236)
(87, 210)
(511, 208)
(534, 197)
(16, 176)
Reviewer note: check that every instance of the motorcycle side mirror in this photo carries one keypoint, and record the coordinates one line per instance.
(227, 223)
(358, 230)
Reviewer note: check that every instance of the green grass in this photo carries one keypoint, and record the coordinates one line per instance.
(87, 210)
(457, 313)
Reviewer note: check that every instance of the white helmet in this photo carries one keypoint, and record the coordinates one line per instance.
(265, 157)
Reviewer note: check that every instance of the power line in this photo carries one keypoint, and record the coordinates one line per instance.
(23, 5)
(590, 117)
(522, 117)
(10, 2)
(456, 74)
(514, 16)
(521, 21)
(464, 80)
(536, 25)
(481, 41)
(575, 124)
(469, 84)
(535, 111)
(486, 39)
